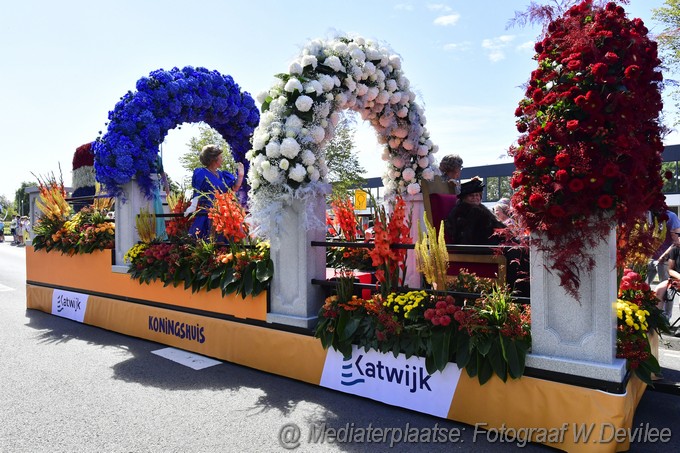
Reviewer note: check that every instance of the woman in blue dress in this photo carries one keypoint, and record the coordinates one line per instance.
(205, 181)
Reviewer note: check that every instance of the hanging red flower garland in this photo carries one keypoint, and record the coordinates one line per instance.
(590, 151)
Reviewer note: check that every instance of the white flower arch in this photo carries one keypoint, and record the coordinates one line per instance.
(300, 112)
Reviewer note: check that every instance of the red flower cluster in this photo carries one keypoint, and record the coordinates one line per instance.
(228, 216)
(441, 314)
(179, 226)
(388, 260)
(590, 149)
(343, 209)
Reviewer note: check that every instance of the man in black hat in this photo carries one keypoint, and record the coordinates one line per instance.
(470, 222)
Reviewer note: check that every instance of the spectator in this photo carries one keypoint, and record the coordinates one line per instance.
(13, 230)
(470, 222)
(658, 262)
(2, 230)
(673, 269)
(451, 167)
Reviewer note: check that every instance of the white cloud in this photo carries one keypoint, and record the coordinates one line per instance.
(438, 7)
(526, 47)
(457, 46)
(450, 19)
(495, 47)
(403, 7)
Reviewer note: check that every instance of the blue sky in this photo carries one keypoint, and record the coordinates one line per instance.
(65, 65)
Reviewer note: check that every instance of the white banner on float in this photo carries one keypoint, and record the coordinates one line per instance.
(393, 380)
(69, 305)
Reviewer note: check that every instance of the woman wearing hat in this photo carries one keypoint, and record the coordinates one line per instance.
(470, 222)
(206, 181)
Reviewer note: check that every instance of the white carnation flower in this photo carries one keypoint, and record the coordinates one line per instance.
(372, 54)
(358, 55)
(369, 68)
(339, 47)
(336, 81)
(272, 175)
(395, 98)
(403, 83)
(413, 188)
(372, 93)
(295, 68)
(313, 173)
(423, 162)
(259, 139)
(386, 120)
(323, 110)
(402, 112)
(359, 40)
(428, 174)
(391, 85)
(383, 97)
(408, 174)
(273, 150)
(297, 173)
(400, 132)
(393, 174)
(398, 162)
(293, 124)
(350, 83)
(357, 73)
(313, 86)
(361, 89)
(309, 60)
(266, 165)
(341, 100)
(395, 61)
(334, 63)
(292, 85)
(254, 183)
(284, 164)
(304, 103)
(308, 157)
(408, 145)
(318, 134)
(326, 82)
(435, 148)
(394, 143)
(262, 96)
(290, 148)
(423, 150)
(266, 119)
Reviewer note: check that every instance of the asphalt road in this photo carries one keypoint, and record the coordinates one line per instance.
(69, 387)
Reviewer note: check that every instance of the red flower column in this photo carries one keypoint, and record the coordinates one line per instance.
(588, 159)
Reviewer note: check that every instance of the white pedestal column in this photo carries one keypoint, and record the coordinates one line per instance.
(576, 337)
(294, 301)
(415, 206)
(127, 208)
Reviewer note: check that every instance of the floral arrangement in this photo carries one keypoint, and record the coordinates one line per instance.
(83, 171)
(486, 337)
(357, 258)
(163, 100)
(86, 231)
(202, 265)
(243, 266)
(390, 262)
(590, 151)
(637, 316)
(178, 226)
(432, 256)
(300, 112)
(58, 229)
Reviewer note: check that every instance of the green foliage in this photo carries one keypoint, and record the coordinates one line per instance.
(199, 265)
(489, 336)
(21, 198)
(344, 170)
(669, 43)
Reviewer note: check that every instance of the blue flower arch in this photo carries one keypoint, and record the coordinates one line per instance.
(165, 99)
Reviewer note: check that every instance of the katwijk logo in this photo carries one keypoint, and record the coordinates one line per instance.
(413, 377)
(68, 302)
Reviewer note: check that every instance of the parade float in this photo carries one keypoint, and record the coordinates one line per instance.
(470, 354)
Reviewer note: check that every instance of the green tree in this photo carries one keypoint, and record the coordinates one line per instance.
(344, 169)
(669, 44)
(206, 136)
(21, 201)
